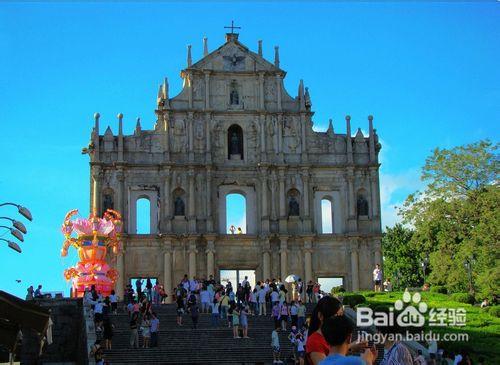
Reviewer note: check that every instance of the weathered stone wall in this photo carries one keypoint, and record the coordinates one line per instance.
(68, 335)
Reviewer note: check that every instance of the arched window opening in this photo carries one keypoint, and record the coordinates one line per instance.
(236, 216)
(179, 202)
(234, 97)
(362, 204)
(143, 216)
(293, 203)
(235, 142)
(326, 216)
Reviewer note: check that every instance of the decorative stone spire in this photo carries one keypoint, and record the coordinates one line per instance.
(138, 128)
(159, 98)
(166, 102)
(371, 139)
(260, 48)
(307, 99)
(348, 138)
(120, 137)
(329, 131)
(189, 59)
(205, 46)
(301, 97)
(277, 56)
(120, 124)
(96, 122)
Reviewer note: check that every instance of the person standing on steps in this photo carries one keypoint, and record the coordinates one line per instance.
(193, 310)
(215, 313)
(301, 315)
(134, 335)
(205, 299)
(180, 308)
(155, 328)
(261, 298)
(275, 345)
(284, 314)
(244, 321)
(149, 289)
(146, 330)
(138, 289)
(236, 322)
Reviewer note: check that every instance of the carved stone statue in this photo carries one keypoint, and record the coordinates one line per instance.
(234, 97)
(362, 206)
(293, 207)
(235, 144)
(179, 208)
(107, 202)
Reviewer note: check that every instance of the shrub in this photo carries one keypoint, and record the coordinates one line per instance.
(463, 298)
(494, 311)
(337, 289)
(439, 289)
(353, 300)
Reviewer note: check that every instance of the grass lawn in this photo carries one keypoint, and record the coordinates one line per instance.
(483, 329)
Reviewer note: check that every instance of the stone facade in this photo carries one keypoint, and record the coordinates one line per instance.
(235, 129)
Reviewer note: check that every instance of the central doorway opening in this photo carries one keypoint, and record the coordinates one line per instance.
(236, 276)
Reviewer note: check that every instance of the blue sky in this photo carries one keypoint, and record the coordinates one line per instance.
(428, 72)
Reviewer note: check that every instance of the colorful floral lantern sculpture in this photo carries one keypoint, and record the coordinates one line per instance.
(93, 238)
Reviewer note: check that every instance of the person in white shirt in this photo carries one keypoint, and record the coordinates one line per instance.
(388, 285)
(275, 344)
(275, 297)
(205, 300)
(261, 294)
(113, 298)
(377, 278)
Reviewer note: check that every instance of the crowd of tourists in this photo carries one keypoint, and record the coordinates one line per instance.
(325, 337)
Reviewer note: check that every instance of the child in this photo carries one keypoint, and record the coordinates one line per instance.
(275, 344)
(236, 322)
(337, 331)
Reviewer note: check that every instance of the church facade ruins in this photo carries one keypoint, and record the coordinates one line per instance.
(235, 129)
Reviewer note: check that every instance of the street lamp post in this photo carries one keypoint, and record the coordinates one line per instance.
(12, 245)
(18, 228)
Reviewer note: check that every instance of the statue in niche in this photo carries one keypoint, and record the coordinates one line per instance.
(234, 98)
(235, 144)
(362, 205)
(293, 207)
(107, 202)
(179, 132)
(179, 208)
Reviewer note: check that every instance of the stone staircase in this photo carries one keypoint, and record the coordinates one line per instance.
(205, 345)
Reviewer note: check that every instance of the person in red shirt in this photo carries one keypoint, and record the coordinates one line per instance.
(316, 347)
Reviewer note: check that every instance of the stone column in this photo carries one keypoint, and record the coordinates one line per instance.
(308, 274)
(167, 269)
(120, 282)
(190, 90)
(166, 132)
(266, 259)
(351, 200)
(263, 179)
(278, 90)
(167, 201)
(280, 134)
(273, 195)
(208, 125)
(96, 194)
(207, 90)
(210, 251)
(374, 187)
(192, 202)
(120, 206)
(303, 134)
(282, 201)
(190, 136)
(262, 120)
(210, 220)
(192, 258)
(354, 265)
(377, 253)
(283, 257)
(305, 193)
(261, 91)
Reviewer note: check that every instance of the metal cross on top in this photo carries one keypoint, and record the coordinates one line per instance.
(232, 27)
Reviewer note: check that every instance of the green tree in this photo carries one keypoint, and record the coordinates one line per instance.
(400, 262)
(457, 220)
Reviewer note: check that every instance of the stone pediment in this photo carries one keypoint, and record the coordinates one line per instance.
(233, 56)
